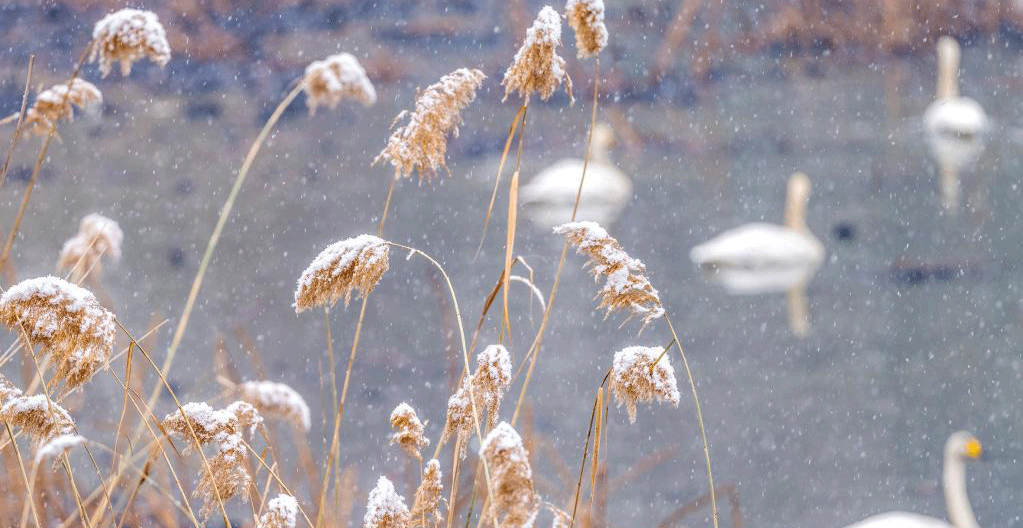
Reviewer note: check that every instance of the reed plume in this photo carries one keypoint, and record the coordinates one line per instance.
(227, 476)
(281, 512)
(351, 264)
(41, 418)
(626, 286)
(127, 36)
(82, 254)
(488, 385)
(514, 502)
(329, 81)
(66, 320)
(426, 505)
(633, 380)
(537, 67)
(385, 508)
(58, 101)
(58, 446)
(587, 20)
(408, 430)
(422, 143)
(277, 400)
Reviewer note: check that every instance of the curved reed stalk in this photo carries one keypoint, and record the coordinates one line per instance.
(225, 212)
(20, 116)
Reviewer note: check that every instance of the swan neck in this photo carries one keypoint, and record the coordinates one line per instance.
(796, 202)
(948, 71)
(958, 503)
(598, 150)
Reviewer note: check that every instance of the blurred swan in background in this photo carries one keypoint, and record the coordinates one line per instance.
(760, 257)
(961, 446)
(955, 125)
(549, 197)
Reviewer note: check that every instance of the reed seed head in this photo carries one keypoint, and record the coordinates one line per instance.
(408, 430)
(429, 495)
(514, 503)
(277, 400)
(82, 254)
(488, 385)
(329, 81)
(66, 320)
(351, 264)
(8, 390)
(227, 476)
(626, 287)
(587, 20)
(422, 143)
(40, 418)
(537, 67)
(281, 512)
(385, 508)
(633, 381)
(58, 446)
(127, 36)
(58, 101)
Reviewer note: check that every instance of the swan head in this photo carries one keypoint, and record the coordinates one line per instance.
(948, 67)
(964, 446)
(603, 137)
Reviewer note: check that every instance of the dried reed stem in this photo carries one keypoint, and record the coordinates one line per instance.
(179, 332)
(500, 169)
(21, 120)
(24, 476)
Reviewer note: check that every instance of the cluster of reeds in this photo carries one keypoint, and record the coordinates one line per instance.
(64, 327)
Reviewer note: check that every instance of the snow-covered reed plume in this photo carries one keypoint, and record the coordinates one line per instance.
(633, 380)
(351, 264)
(65, 320)
(277, 400)
(38, 417)
(429, 495)
(58, 101)
(281, 512)
(488, 384)
(82, 254)
(126, 36)
(57, 446)
(626, 287)
(408, 430)
(514, 503)
(329, 81)
(587, 20)
(227, 476)
(537, 67)
(385, 508)
(421, 144)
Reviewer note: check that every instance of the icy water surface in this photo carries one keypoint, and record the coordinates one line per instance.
(916, 314)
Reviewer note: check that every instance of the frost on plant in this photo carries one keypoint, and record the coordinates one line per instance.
(281, 512)
(82, 255)
(277, 400)
(537, 67)
(514, 502)
(351, 264)
(587, 20)
(329, 81)
(487, 385)
(385, 508)
(58, 101)
(126, 36)
(408, 430)
(633, 381)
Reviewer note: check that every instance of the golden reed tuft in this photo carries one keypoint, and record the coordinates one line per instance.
(65, 320)
(633, 380)
(227, 476)
(127, 36)
(385, 508)
(408, 430)
(422, 143)
(429, 495)
(627, 287)
(277, 400)
(587, 20)
(38, 417)
(56, 103)
(488, 384)
(281, 512)
(58, 446)
(82, 254)
(351, 264)
(514, 503)
(329, 81)
(537, 67)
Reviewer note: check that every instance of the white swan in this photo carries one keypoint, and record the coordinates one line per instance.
(760, 258)
(549, 197)
(955, 125)
(961, 446)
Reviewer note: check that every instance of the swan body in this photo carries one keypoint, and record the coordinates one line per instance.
(548, 198)
(760, 257)
(961, 446)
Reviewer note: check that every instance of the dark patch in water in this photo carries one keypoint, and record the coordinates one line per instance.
(176, 257)
(844, 231)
